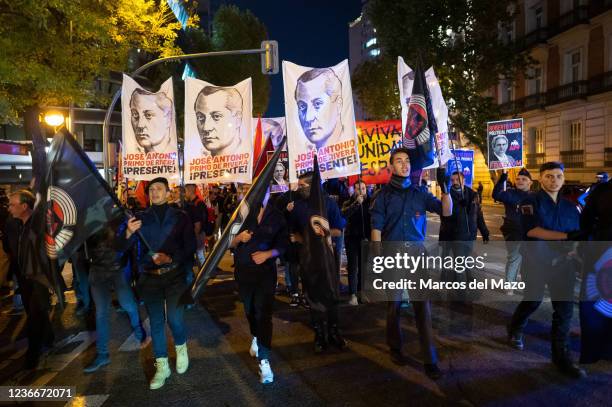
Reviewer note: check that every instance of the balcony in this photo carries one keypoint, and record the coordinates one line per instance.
(573, 158)
(535, 160)
(577, 16)
(608, 157)
(535, 101)
(537, 36)
(574, 90)
(601, 83)
(599, 7)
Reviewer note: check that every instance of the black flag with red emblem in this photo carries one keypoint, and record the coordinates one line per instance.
(79, 201)
(421, 127)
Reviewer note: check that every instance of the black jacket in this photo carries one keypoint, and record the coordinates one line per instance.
(358, 218)
(466, 218)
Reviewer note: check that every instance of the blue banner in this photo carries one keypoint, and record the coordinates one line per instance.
(462, 161)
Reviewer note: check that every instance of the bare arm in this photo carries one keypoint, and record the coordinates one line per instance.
(447, 205)
(546, 234)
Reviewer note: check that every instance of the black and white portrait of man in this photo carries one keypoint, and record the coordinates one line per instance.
(318, 94)
(151, 118)
(497, 155)
(219, 115)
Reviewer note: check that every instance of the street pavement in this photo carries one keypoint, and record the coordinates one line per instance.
(480, 369)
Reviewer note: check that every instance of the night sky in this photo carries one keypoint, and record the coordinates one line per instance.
(309, 32)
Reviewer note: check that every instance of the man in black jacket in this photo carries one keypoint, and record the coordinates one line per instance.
(356, 211)
(458, 231)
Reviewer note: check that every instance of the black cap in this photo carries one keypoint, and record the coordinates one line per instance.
(158, 179)
(524, 173)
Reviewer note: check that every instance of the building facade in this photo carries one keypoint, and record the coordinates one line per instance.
(565, 99)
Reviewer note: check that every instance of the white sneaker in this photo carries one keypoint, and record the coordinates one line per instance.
(182, 358)
(265, 372)
(254, 351)
(161, 374)
(353, 300)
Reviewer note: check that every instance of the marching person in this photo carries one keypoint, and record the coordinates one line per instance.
(458, 231)
(255, 252)
(34, 293)
(106, 273)
(511, 228)
(169, 233)
(399, 215)
(546, 216)
(321, 288)
(356, 211)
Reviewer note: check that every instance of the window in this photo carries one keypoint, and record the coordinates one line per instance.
(370, 42)
(506, 91)
(535, 84)
(539, 141)
(573, 66)
(91, 135)
(538, 12)
(575, 136)
(375, 52)
(509, 33)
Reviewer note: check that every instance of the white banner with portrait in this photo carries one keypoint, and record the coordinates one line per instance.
(218, 132)
(405, 79)
(320, 119)
(149, 131)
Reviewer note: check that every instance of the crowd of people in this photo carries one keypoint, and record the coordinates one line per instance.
(150, 258)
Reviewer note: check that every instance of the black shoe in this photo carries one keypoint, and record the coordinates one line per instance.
(398, 357)
(31, 361)
(570, 369)
(334, 337)
(304, 302)
(99, 361)
(432, 371)
(320, 340)
(295, 300)
(515, 339)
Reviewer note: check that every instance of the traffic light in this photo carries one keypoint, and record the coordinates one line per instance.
(269, 58)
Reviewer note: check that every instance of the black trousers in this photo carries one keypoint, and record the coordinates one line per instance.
(422, 316)
(37, 306)
(353, 257)
(560, 281)
(256, 290)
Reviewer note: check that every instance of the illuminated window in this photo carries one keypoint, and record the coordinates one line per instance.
(375, 52)
(539, 141)
(575, 135)
(370, 42)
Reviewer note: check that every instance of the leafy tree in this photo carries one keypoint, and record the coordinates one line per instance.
(52, 51)
(461, 40)
(375, 84)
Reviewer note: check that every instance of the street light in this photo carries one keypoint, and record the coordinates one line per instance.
(54, 118)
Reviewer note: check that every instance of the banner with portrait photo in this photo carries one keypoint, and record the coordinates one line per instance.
(463, 162)
(149, 131)
(280, 178)
(320, 120)
(272, 127)
(405, 79)
(218, 132)
(505, 144)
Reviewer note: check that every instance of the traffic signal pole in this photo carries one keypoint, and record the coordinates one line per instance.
(269, 66)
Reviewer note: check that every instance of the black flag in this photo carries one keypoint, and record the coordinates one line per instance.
(79, 201)
(421, 127)
(244, 215)
(319, 273)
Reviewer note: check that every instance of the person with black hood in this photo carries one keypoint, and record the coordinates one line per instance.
(511, 228)
(458, 231)
(169, 233)
(356, 211)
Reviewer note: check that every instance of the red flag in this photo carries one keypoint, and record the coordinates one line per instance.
(257, 146)
(262, 159)
(141, 194)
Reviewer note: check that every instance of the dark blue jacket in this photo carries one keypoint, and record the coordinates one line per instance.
(511, 198)
(173, 236)
(400, 214)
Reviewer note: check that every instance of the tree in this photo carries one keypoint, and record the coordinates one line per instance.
(52, 51)
(375, 85)
(233, 29)
(461, 40)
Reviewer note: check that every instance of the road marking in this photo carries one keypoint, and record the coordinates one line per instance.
(132, 344)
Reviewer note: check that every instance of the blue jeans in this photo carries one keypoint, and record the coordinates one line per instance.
(80, 271)
(161, 297)
(101, 283)
(513, 262)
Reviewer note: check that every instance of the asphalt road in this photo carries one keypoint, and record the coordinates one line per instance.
(480, 369)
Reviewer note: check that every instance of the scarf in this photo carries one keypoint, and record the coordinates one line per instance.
(400, 182)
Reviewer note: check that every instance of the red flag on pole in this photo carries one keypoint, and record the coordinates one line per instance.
(257, 145)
